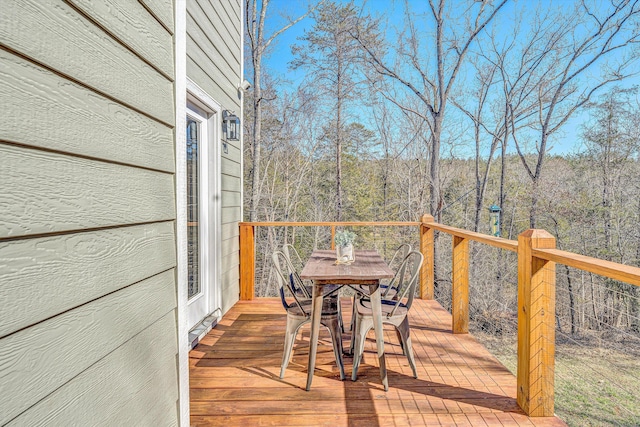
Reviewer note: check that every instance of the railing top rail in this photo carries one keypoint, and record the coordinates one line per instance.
(499, 242)
(613, 270)
(330, 223)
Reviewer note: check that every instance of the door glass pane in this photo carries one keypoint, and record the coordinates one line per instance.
(193, 245)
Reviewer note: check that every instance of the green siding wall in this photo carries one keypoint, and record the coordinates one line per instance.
(214, 64)
(88, 331)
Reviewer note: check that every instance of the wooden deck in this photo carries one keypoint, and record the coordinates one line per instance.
(234, 377)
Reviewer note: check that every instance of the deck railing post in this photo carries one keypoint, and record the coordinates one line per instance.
(536, 325)
(247, 262)
(460, 286)
(426, 247)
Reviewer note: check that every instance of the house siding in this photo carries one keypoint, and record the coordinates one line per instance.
(88, 332)
(214, 64)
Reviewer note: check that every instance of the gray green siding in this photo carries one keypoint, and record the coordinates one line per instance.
(88, 331)
(214, 64)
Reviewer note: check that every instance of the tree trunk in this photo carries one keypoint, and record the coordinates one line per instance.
(257, 128)
(479, 195)
(606, 206)
(503, 165)
(339, 146)
(572, 302)
(635, 291)
(435, 204)
(533, 212)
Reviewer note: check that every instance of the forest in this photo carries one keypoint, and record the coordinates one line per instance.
(447, 108)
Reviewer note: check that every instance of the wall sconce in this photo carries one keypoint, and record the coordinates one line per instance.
(230, 126)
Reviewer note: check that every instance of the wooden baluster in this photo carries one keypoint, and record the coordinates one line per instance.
(247, 262)
(426, 247)
(536, 325)
(333, 237)
(460, 286)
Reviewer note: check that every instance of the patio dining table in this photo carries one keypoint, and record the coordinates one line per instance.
(367, 269)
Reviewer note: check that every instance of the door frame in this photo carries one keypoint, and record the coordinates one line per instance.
(180, 137)
(210, 162)
(181, 87)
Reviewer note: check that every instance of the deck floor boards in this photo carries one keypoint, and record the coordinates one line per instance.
(234, 377)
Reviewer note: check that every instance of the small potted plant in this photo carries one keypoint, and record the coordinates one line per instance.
(344, 246)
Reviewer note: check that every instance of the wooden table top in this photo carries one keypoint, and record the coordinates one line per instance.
(368, 267)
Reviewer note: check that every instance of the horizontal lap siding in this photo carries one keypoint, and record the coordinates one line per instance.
(230, 183)
(50, 192)
(36, 361)
(87, 213)
(231, 199)
(223, 72)
(127, 397)
(36, 272)
(233, 154)
(34, 98)
(129, 22)
(214, 64)
(162, 10)
(229, 166)
(56, 35)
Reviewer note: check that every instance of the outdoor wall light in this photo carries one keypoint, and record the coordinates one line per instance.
(230, 126)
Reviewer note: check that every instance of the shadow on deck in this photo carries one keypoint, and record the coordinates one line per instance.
(234, 377)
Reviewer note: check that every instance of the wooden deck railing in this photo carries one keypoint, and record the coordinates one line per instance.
(537, 256)
(247, 247)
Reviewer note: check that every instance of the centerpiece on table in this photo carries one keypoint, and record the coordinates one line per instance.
(344, 246)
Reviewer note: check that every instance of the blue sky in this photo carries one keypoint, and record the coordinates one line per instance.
(280, 53)
(279, 56)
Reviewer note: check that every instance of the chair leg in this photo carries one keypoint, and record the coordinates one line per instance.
(405, 338)
(293, 325)
(336, 337)
(356, 296)
(400, 341)
(354, 325)
(362, 328)
(340, 314)
(353, 315)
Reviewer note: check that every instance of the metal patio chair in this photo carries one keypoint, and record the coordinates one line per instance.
(387, 290)
(298, 284)
(299, 312)
(394, 312)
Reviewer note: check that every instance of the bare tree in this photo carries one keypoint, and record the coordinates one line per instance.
(259, 42)
(611, 143)
(456, 29)
(329, 56)
(575, 43)
(485, 76)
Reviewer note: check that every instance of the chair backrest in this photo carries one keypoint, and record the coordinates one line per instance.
(291, 253)
(400, 254)
(293, 259)
(408, 279)
(398, 257)
(279, 260)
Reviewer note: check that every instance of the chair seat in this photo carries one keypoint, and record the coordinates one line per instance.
(330, 291)
(330, 318)
(364, 308)
(329, 307)
(364, 291)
